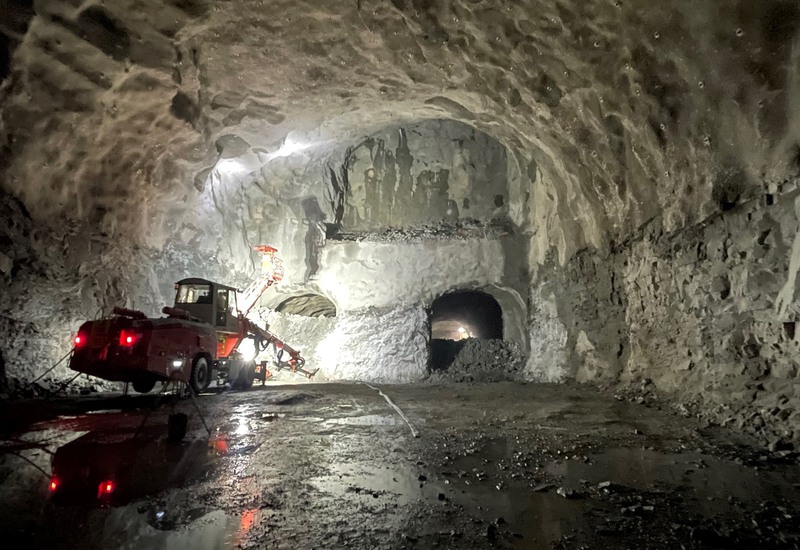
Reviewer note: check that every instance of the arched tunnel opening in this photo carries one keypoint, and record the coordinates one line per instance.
(307, 305)
(467, 334)
(466, 314)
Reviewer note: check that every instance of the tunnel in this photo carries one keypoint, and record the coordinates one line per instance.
(460, 316)
(309, 305)
(556, 236)
(466, 314)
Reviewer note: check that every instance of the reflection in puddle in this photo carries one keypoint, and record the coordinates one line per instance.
(542, 518)
(125, 528)
(116, 467)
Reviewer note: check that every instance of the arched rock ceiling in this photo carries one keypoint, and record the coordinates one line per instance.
(628, 109)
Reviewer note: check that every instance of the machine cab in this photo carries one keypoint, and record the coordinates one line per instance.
(210, 302)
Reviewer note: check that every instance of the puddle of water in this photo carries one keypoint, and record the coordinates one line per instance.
(541, 518)
(126, 528)
(129, 466)
(361, 480)
(709, 477)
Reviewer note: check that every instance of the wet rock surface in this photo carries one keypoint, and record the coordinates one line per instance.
(495, 466)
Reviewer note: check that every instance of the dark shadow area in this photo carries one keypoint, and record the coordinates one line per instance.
(459, 317)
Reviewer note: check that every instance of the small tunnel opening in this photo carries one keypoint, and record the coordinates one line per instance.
(459, 317)
(308, 305)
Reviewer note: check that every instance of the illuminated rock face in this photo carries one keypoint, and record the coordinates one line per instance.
(642, 159)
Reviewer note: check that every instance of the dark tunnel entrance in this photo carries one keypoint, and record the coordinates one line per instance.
(458, 317)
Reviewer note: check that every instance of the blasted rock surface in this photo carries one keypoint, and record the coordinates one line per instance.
(371, 345)
(707, 314)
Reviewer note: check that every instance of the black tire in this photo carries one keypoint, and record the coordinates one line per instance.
(250, 375)
(144, 385)
(201, 375)
(247, 374)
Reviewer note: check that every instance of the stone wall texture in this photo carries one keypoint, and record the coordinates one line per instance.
(706, 314)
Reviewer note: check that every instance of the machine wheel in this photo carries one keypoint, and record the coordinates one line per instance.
(200, 377)
(144, 385)
(245, 376)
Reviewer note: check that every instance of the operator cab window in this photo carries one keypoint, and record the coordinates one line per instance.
(234, 309)
(194, 294)
(222, 307)
(222, 300)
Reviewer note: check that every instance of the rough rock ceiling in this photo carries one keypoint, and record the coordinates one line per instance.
(628, 109)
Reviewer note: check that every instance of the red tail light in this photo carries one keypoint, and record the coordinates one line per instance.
(54, 483)
(128, 338)
(79, 340)
(105, 488)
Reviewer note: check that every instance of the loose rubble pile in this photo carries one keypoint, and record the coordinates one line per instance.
(481, 361)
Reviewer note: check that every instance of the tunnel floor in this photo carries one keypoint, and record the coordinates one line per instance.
(334, 466)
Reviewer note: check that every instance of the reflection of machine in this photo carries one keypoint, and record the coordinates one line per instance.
(198, 341)
(115, 467)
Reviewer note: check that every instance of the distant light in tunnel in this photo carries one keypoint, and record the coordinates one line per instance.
(451, 329)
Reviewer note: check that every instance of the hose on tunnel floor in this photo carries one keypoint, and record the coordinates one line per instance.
(414, 432)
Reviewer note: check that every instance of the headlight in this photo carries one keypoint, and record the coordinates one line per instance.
(248, 350)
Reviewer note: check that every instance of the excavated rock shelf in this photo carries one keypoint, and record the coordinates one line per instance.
(466, 229)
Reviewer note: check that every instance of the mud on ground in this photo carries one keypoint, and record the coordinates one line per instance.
(334, 466)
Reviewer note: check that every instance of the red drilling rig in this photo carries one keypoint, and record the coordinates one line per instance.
(198, 341)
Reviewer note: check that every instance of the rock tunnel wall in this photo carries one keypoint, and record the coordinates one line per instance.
(706, 314)
(425, 173)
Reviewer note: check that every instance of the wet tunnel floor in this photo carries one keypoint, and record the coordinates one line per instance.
(334, 466)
